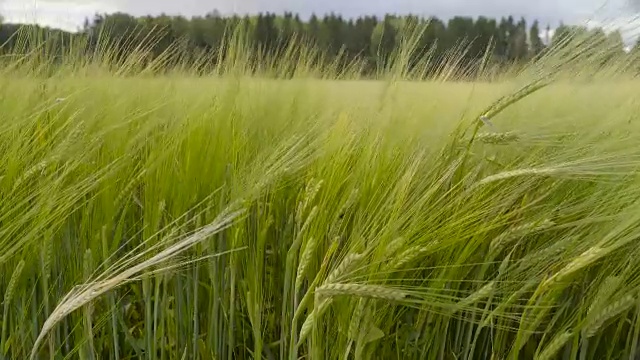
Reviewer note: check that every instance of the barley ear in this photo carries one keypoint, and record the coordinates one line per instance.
(482, 293)
(8, 296)
(363, 291)
(345, 266)
(498, 138)
(305, 260)
(408, 256)
(532, 172)
(615, 309)
(554, 346)
(584, 260)
(394, 246)
(88, 292)
(311, 319)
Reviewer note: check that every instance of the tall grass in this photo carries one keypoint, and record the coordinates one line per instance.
(235, 215)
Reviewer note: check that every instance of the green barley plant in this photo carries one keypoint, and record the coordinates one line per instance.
(274, 206)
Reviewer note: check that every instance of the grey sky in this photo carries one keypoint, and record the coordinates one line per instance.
(70, 13)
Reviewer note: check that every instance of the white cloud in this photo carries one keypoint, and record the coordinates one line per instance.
(65, 14)
(628, 25)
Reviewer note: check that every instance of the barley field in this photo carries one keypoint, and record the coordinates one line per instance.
(240, 216)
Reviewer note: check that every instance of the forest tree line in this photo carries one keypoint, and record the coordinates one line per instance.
(368, 39)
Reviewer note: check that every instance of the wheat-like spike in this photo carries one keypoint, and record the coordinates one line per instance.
(311, 191)
(345, 266)
(297, 242)
(567, 136)
(520, 231)
(544, 254)
(308, 187)
(366, 324)
(356, 318)
(311, 195)
(8, 295)
(306, 299)
(513, 298)
(409, 255)
(502, 269)
(298, 216)
(76, 132)
(162, 206)
(82, 295)
(353, 197)
(37, 168)
(530, 322)
(128, 188)
(305, 259)
(358, 290)
(313, 316)
(498, 138)
(394, 246)
(587, 258)
(608, 287)
(554, 346)
(308, 221)
(72, 137)
(616, 308)
(337, 225)
(484, 292)
(509, 100)
(519, 173)
(87, 264)
(47, 255)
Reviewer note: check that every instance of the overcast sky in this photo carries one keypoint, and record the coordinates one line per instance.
(69, 14)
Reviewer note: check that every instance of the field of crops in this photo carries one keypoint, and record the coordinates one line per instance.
(240, 216)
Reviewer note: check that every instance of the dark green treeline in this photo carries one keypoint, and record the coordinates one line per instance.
(369, 40)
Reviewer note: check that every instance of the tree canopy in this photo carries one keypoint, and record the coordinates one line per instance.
(369, 39)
